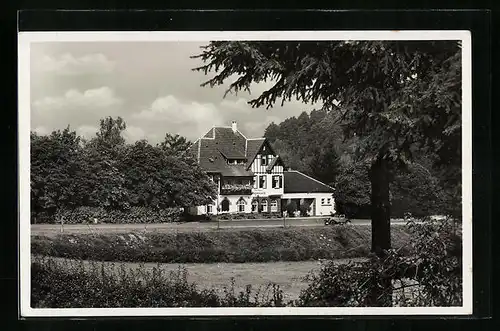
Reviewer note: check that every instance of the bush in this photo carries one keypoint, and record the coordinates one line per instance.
(433, 274)
(133, 215)
(239, 216)
(304, 210)
(257, 245)
(76, 285)
(291, 208)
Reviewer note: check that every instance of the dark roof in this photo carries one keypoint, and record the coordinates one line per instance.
(253, 147)
(236, 171)
(222, 143)
(217, 145)
(297, 182)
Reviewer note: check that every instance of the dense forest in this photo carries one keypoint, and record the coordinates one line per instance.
(314, 144)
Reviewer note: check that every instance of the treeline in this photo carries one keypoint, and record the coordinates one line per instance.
(69, 172)
(314, 144)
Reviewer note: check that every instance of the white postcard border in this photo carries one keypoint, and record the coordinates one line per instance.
(26, 38)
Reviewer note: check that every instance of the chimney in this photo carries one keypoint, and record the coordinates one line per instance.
(234, 126)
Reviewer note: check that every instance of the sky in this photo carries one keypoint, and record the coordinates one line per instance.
(149, 84)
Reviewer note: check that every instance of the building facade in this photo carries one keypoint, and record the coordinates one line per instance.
(252, 178)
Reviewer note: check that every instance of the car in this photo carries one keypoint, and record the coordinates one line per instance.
(337, 219)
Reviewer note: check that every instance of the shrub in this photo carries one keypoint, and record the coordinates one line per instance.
(76, 285)
(304, 209)
(291, 208)
(133, 215)
(433, 273)
(237, 216)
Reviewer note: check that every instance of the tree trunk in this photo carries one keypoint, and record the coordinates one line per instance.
(381, 213)
(381, 228)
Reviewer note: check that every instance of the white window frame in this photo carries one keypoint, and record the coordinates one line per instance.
(323, 201)
(263, 186)
(210, 209)
(329, 201)
(255, 204)
(274, 205)
(277, 182)
(241, 202)
(264, 204)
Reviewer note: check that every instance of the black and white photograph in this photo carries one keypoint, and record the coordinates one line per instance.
(245, 173)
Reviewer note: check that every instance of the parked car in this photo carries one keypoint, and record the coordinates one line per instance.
(337, 219)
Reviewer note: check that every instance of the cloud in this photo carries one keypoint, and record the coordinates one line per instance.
(177, 116)
(87, 131)
(192, 119)
(41, 130)
(76, 108)
(68, 65)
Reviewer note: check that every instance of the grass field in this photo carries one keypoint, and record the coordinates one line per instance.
(290, 276)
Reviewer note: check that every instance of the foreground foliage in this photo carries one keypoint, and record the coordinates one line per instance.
(433, 274)
(288, 244)
(429, 277)
(74, 285)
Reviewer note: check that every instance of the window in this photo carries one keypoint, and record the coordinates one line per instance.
(263, 206)
(255, 181)
(241, 205)
(262, 181)
(274, 205)
(209, 209)
(255, 204)
(326, 202)
(277, 181)
(263, 160)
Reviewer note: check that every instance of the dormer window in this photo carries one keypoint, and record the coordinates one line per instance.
(264, 160)
(236, 161)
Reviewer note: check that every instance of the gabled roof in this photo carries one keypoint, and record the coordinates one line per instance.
(297, 182)
(222, 143)
(217, 145)
(253, 147)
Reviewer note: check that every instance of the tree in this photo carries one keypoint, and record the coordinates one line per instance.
(56, 171)
(110, 132)
(174, 145)
(104, 155)
(156, 179)
(390, 95)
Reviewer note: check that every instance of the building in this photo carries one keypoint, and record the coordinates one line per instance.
(252, 178)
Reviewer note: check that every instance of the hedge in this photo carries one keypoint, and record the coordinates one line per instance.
(238, 216)
(256, 245)
(102, 215)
